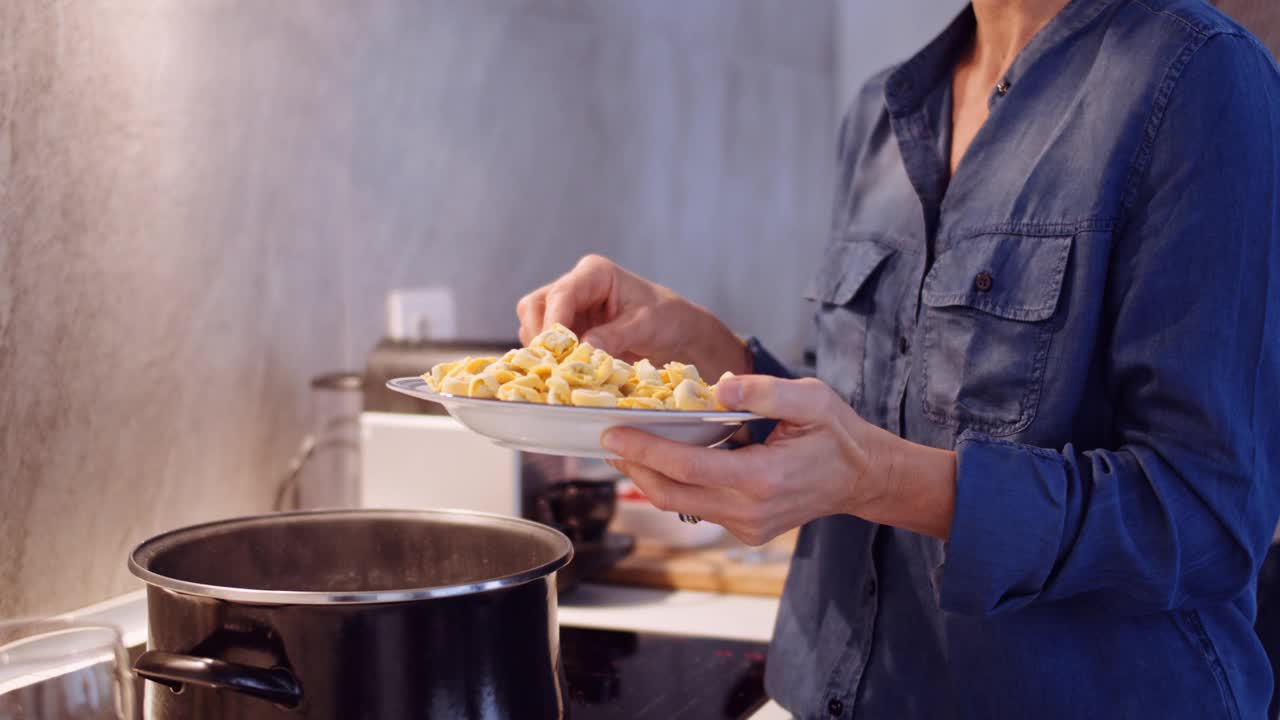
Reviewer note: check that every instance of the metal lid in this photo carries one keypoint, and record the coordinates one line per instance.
(331, 557)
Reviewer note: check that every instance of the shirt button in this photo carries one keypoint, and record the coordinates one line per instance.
(1002, 87)
(835, 707)
(983, 281)
(904, 344)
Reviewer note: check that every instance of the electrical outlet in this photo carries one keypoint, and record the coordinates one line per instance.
(422, 314)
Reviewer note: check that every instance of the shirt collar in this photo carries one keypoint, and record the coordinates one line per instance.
(910, 83)
(908, 86)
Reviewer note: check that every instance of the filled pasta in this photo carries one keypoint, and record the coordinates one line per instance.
(556, 369)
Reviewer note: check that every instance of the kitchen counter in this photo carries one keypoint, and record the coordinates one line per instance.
(611, 607)
(681, 612)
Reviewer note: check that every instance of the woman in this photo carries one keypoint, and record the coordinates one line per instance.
(1040, 469)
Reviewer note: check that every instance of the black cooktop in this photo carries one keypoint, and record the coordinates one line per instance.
(619, 674)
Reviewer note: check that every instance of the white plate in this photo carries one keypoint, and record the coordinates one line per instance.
(569, 430)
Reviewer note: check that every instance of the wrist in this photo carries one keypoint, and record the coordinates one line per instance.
(877, 463)
(720, 349)
(910, 486)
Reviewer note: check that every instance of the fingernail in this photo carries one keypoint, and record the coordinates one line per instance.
(593, 341)
(730, 393)
(611, 442)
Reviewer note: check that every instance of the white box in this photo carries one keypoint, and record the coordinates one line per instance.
(433, 462)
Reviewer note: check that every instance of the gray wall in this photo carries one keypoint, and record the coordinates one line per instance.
(871, 35)
(202, 203)
(690, 141)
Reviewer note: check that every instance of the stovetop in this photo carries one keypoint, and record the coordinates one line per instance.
(614, 674)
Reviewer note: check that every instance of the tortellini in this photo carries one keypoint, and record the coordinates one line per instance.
(593, 398)
(640, 403)
(578, 374)
(690, 395)
(558, 391)
(647, 373)
(557, 339)
(556, 369)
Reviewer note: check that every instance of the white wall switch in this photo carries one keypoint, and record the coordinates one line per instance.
(422, 314)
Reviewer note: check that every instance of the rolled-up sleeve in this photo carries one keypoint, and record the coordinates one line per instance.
(1181, 510)
(764, 363)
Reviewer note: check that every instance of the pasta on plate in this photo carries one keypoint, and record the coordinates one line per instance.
(557, 369)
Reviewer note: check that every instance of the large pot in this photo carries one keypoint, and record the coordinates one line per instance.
(354, 614)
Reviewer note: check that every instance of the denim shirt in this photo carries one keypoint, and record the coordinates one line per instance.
(1088, 312)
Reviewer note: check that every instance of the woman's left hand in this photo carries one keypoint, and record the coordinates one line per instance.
(822, 459)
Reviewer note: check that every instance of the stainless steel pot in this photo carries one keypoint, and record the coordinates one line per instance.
(354, 614)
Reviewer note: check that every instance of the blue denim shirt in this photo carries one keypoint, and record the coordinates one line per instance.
(1089, 313)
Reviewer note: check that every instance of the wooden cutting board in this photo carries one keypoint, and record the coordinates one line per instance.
(719, 568)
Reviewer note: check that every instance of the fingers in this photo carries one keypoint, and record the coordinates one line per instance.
(530, 310)
(586, 291)
(718, 505)
(688, 464)
(670, 495)
(631, 330)
(802, 401)
(588, 285)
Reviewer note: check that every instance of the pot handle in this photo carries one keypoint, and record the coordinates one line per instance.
(175, 670)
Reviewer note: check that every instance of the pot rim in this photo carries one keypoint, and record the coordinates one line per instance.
(146, 551)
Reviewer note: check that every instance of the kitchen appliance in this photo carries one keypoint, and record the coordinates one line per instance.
(325, 471)
(413, 455)
(581, 509)
(354, 614)
(370, 447)
(622, 675)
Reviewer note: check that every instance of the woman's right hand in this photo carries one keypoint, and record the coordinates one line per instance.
(631, 317)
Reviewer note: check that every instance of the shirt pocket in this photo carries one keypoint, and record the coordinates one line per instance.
(848, 266)
(986, 332)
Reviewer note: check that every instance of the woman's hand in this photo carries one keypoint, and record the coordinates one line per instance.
(821, 460)
(631, 317)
